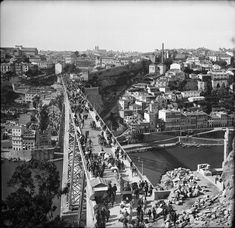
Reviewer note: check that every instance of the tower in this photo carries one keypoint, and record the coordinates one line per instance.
(162, 53)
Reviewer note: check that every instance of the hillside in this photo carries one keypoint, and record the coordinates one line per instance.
(7, 94)
(119, 75)
(112, 83)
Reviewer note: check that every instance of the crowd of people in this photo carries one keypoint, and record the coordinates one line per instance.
(145, 217)
(97, 163)
(102, 216)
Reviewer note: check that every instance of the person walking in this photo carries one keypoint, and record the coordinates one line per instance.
(146, 190)
(109, 191)
(150, 190)
(114, 190)
(154, 213)
(107, 215)
(138, 209)
(150, 214)
(136, 192)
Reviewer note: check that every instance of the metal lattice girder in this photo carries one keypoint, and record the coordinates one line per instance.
(76, 173)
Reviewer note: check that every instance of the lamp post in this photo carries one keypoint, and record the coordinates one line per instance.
(142, 165)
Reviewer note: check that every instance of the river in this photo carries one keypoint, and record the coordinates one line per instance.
(157, 161)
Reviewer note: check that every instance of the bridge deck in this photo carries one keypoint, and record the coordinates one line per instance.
(68, 168)
(126, 174)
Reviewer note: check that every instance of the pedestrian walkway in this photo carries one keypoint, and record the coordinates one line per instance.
(109, 175)
(93, 138)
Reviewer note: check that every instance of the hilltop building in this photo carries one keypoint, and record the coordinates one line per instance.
(153, 69)
(58, 68)
(17, 133)
(218, 78)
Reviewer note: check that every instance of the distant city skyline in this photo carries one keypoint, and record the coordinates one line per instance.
(125, 26)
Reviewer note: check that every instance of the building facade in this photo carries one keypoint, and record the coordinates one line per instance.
(218, 78)
(17, 140)
(6, 67)
(171, 118)
(29, 139)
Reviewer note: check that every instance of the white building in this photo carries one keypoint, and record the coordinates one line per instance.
(5, 67)
(176, 66)
(17, 132)
(171, 118)
(164, 89)
(193, 60)
(192, 99)
(69, 60)
(191, 93)
(202, 85)
(213, 58)
(162, 68)
(108, 60)
(153, 68)
(150, 117)
(58, 68)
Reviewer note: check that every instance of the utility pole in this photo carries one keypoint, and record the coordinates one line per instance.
(142, 165)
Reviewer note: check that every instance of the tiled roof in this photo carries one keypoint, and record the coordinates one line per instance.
(98, 181)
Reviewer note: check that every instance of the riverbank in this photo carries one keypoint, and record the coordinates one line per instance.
(23, 155)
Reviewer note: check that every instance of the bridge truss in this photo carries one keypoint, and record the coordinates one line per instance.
(73, 208)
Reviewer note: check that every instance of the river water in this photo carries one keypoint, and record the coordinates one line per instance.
(157, 161)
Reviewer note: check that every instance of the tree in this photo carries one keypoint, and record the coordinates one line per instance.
(77, 53)
(168, 62)
(222, 91)
(31, 205)
(221, 63)
(25, 59)
(44, 118)
(36, 101)
(69, 68)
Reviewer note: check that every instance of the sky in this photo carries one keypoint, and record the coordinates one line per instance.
(120, 25)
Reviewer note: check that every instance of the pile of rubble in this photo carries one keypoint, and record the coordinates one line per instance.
(178, 175)
(206, 212)
(183, 184)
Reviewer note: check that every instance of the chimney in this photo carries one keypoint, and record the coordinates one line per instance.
(162, 53)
